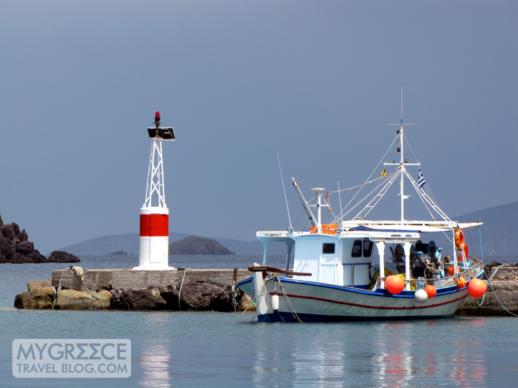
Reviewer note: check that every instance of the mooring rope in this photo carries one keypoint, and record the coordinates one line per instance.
(180, 290)
(288, 302)
(489, 279)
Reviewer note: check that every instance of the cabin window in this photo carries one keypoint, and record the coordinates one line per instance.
(328, 248)
(367, 247)
(357, 249)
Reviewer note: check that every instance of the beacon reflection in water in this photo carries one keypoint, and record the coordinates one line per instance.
(155, 366)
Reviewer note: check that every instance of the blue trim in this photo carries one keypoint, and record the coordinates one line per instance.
(306, 318)
(357, 290)
(249, 279)
(363, 228)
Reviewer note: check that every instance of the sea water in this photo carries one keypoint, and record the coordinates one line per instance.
(176, 349)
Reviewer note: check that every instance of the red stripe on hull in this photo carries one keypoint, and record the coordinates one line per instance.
(154, 225)
(375, 307)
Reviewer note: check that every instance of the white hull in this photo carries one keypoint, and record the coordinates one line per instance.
(312, 301)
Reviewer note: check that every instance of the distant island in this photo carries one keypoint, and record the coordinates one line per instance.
(498, 236)
(15, 248)
(196, 245)
(119, 253)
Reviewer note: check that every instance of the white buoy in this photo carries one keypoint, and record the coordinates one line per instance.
(420, 295)
(154, 214)
(275, 302)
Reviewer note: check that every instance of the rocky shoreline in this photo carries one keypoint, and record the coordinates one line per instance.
(16, 248)
(206, 290)
(78, 289)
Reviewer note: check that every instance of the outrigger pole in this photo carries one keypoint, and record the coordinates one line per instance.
(305, 205)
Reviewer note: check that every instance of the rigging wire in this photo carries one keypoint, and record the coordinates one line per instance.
(375, 200)
(284, 191)
(356, 186)
(340, 202)
(372, 172)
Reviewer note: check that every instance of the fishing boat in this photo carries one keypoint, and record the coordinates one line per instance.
(356, 268)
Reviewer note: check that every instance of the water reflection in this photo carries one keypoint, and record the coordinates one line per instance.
(395, 354)
(438, 353)
(155, 366)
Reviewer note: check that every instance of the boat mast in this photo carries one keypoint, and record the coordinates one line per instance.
(402, 162)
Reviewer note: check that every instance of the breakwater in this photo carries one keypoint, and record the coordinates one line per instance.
(205, 290)
(124, 289)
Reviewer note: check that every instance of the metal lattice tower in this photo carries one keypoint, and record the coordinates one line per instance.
(154, 214)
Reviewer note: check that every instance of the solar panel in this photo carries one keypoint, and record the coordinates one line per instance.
(164, 133)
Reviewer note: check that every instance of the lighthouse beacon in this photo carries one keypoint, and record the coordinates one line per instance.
(154, 214)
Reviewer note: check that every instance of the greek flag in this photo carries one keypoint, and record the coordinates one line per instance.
(420, 179)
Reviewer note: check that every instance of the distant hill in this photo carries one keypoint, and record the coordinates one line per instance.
(499, 232)
(195, 245)
(499, 237)
(129, 242)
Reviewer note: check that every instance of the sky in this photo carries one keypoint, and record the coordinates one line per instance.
(316, 81)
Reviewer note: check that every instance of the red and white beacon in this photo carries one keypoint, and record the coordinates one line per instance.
(154, 214)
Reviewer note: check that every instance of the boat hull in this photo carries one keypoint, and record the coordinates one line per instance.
(315, 302)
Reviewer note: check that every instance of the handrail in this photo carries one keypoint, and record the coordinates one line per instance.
(266, 268)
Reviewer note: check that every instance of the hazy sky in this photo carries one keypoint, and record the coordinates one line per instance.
(315, 80)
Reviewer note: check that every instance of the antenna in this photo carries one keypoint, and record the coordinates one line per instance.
(401, 104)
(284, 191)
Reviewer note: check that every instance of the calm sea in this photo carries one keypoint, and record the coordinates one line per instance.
(172, 349)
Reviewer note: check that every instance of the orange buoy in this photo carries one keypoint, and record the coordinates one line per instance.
(451, 270)
(459, 237)
(430, 290)
(466, 251)
(477, 288)
(394, 284)
(461, 282)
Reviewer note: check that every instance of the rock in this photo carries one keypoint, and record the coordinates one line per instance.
(35, 284)
(16, 229)
(502, 291)
(23, 236)
(63, 257)
(144, 299)
(203, 296)
(7, 231)
(36, 298)
(502, 271)
(6, 250)
(16, 248)
(82, 300)
(24, 247)
(195, 245)
(34, 257)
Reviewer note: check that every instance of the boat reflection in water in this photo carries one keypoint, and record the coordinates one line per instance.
(407, 355)
(383, 354)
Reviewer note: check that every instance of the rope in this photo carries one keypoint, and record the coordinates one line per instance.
(357, 186)
(481, 244)
(180, 290)
(494, 292)
(81, 275)
(288, 302)
(261, 291)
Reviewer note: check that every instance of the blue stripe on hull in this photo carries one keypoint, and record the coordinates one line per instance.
(307, 318)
